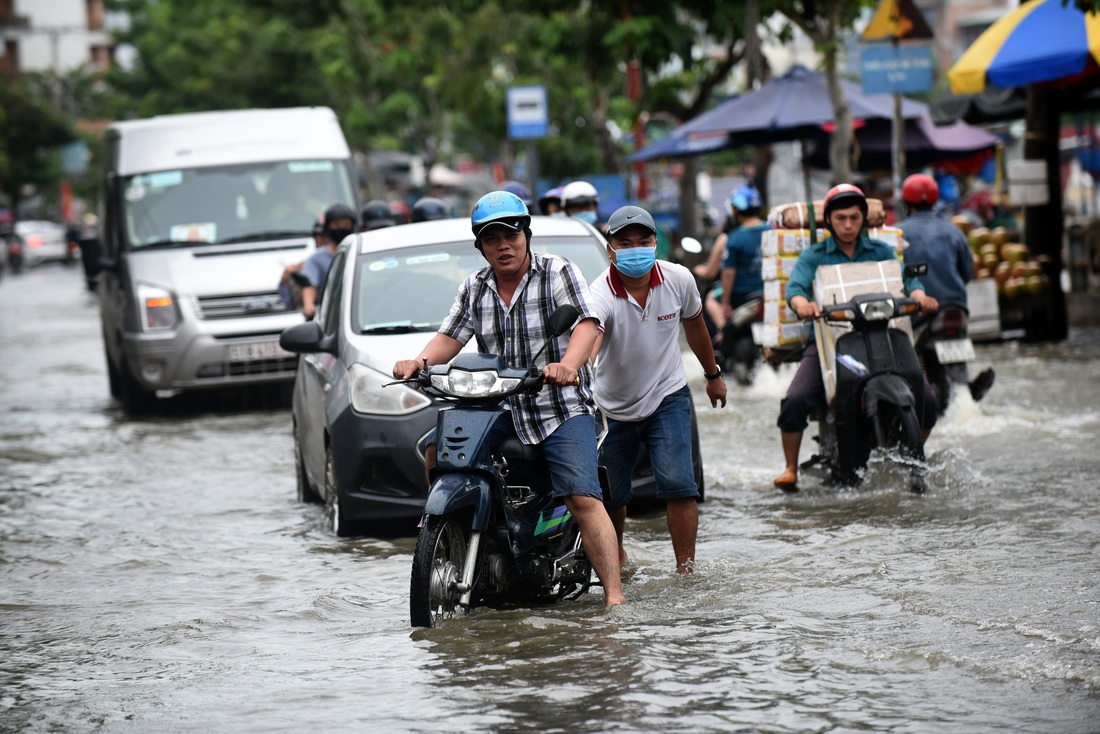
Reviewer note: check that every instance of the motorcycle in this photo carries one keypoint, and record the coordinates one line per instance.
(944, 349)
(492, 531)
(738, 350)
(879, 391)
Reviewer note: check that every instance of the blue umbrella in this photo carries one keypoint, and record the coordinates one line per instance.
(679, 146)
(791, 107)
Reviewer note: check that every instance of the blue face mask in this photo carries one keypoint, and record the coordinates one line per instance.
(588, 216)
(635, 262)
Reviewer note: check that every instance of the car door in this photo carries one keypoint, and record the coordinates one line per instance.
(319, 371)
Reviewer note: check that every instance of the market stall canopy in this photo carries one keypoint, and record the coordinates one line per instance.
(682, 146)
(790, 107)
(1040, 41)
(925, 144)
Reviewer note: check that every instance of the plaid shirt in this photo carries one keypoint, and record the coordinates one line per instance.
(517, 332)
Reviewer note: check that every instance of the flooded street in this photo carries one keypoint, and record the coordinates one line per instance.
(157, 574)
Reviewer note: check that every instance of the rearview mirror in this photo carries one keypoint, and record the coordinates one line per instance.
(306, 338)
(562, 318)
(692, 245)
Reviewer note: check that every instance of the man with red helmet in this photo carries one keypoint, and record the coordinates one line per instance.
(845, 216)
(943, 248)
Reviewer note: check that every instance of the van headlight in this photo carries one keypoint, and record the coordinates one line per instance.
(158, 308)
(369, 396)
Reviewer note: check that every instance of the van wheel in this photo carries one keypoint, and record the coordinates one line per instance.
(135, 399)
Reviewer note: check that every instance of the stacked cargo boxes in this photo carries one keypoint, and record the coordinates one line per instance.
(780, 249)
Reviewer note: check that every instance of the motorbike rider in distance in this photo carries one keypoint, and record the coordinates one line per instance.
(580, 199)
(339, 222)
(845, 217)
(520, 288)
(376, 214)
(943, 248)
(550, 203)
(429, 209)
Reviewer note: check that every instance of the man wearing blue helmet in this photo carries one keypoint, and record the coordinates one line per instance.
(506, 306)
(741, 269)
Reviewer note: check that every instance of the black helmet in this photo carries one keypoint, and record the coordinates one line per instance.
(376, 214)
(429, 208)
(338, 211)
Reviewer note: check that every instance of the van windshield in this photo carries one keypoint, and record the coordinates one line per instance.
(224, 204)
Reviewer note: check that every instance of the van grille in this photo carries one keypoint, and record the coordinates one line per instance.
(235, 307)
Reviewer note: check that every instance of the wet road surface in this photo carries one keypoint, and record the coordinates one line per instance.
(156, 574)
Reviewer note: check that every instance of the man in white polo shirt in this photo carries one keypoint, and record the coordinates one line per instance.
(641, 385)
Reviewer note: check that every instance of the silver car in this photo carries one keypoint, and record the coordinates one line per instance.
(359, 446)
(43, 241)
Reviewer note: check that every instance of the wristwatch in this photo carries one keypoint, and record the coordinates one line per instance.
(713, 375)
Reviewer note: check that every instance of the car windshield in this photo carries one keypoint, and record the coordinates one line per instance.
(226, 204)
(413, 289)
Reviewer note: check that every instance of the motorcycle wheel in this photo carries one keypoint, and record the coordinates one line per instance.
(898, 428)
(437, 568)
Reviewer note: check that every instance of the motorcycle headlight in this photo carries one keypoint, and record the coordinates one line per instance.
(479, 384)
(368, 395)
(158, 308)
(878, 310)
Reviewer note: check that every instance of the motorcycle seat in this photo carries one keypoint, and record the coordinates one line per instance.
(513, 449)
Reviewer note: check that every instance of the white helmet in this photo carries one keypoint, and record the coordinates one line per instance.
(579, 193)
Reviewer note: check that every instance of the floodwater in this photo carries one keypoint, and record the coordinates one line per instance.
(157, 575)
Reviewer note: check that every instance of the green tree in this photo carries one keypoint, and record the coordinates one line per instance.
(30, 131)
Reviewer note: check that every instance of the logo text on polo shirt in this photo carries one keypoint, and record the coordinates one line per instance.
(667, 316)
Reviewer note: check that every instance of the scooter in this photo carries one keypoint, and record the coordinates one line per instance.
(738, 348)
(491, 531)
(879, 391)
(944, 349)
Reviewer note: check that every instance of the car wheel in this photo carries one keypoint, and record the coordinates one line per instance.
(114, 381)
(305, 492)
(333, 513)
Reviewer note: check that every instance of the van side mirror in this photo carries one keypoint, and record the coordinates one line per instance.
(916, 269)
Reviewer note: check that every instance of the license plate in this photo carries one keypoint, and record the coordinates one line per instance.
(954, 351)
(757, 333)
(254, 351)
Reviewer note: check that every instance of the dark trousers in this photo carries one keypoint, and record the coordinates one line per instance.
(807, 393)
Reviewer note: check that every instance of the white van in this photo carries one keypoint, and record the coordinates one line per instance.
(202, 212)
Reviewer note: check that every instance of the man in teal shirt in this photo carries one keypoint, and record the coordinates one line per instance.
(845, 216)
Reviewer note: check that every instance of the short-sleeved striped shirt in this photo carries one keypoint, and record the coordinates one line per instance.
(518, 331)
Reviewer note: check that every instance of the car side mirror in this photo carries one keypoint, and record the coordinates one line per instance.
(307, 338)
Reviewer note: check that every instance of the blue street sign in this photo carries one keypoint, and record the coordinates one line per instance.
(528, 113)
(889, 69)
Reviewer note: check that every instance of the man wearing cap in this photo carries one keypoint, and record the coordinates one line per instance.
(641, 385)
(506, 306)
(339, 222)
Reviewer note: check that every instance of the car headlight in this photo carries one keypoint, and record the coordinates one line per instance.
(878, 310)
(479, 384)
(369, 396)
(158, 308)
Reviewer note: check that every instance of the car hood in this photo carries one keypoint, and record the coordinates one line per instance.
(214, 272)
(382, 351)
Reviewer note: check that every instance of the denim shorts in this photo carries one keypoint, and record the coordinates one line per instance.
(666, 434)
(570, 451)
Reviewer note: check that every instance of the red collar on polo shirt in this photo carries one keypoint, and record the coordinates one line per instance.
(656, 277)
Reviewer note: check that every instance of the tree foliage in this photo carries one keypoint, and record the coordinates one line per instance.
(29, 131)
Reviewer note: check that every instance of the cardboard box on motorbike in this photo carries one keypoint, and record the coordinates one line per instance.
(835, 284)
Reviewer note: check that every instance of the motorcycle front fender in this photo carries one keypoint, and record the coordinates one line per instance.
(453, 492)
(891, 389)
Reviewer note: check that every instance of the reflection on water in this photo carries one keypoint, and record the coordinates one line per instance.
(158, 575)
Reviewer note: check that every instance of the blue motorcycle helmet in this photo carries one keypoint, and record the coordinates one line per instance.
(503, 208)
(744, 199)
(515, 187)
